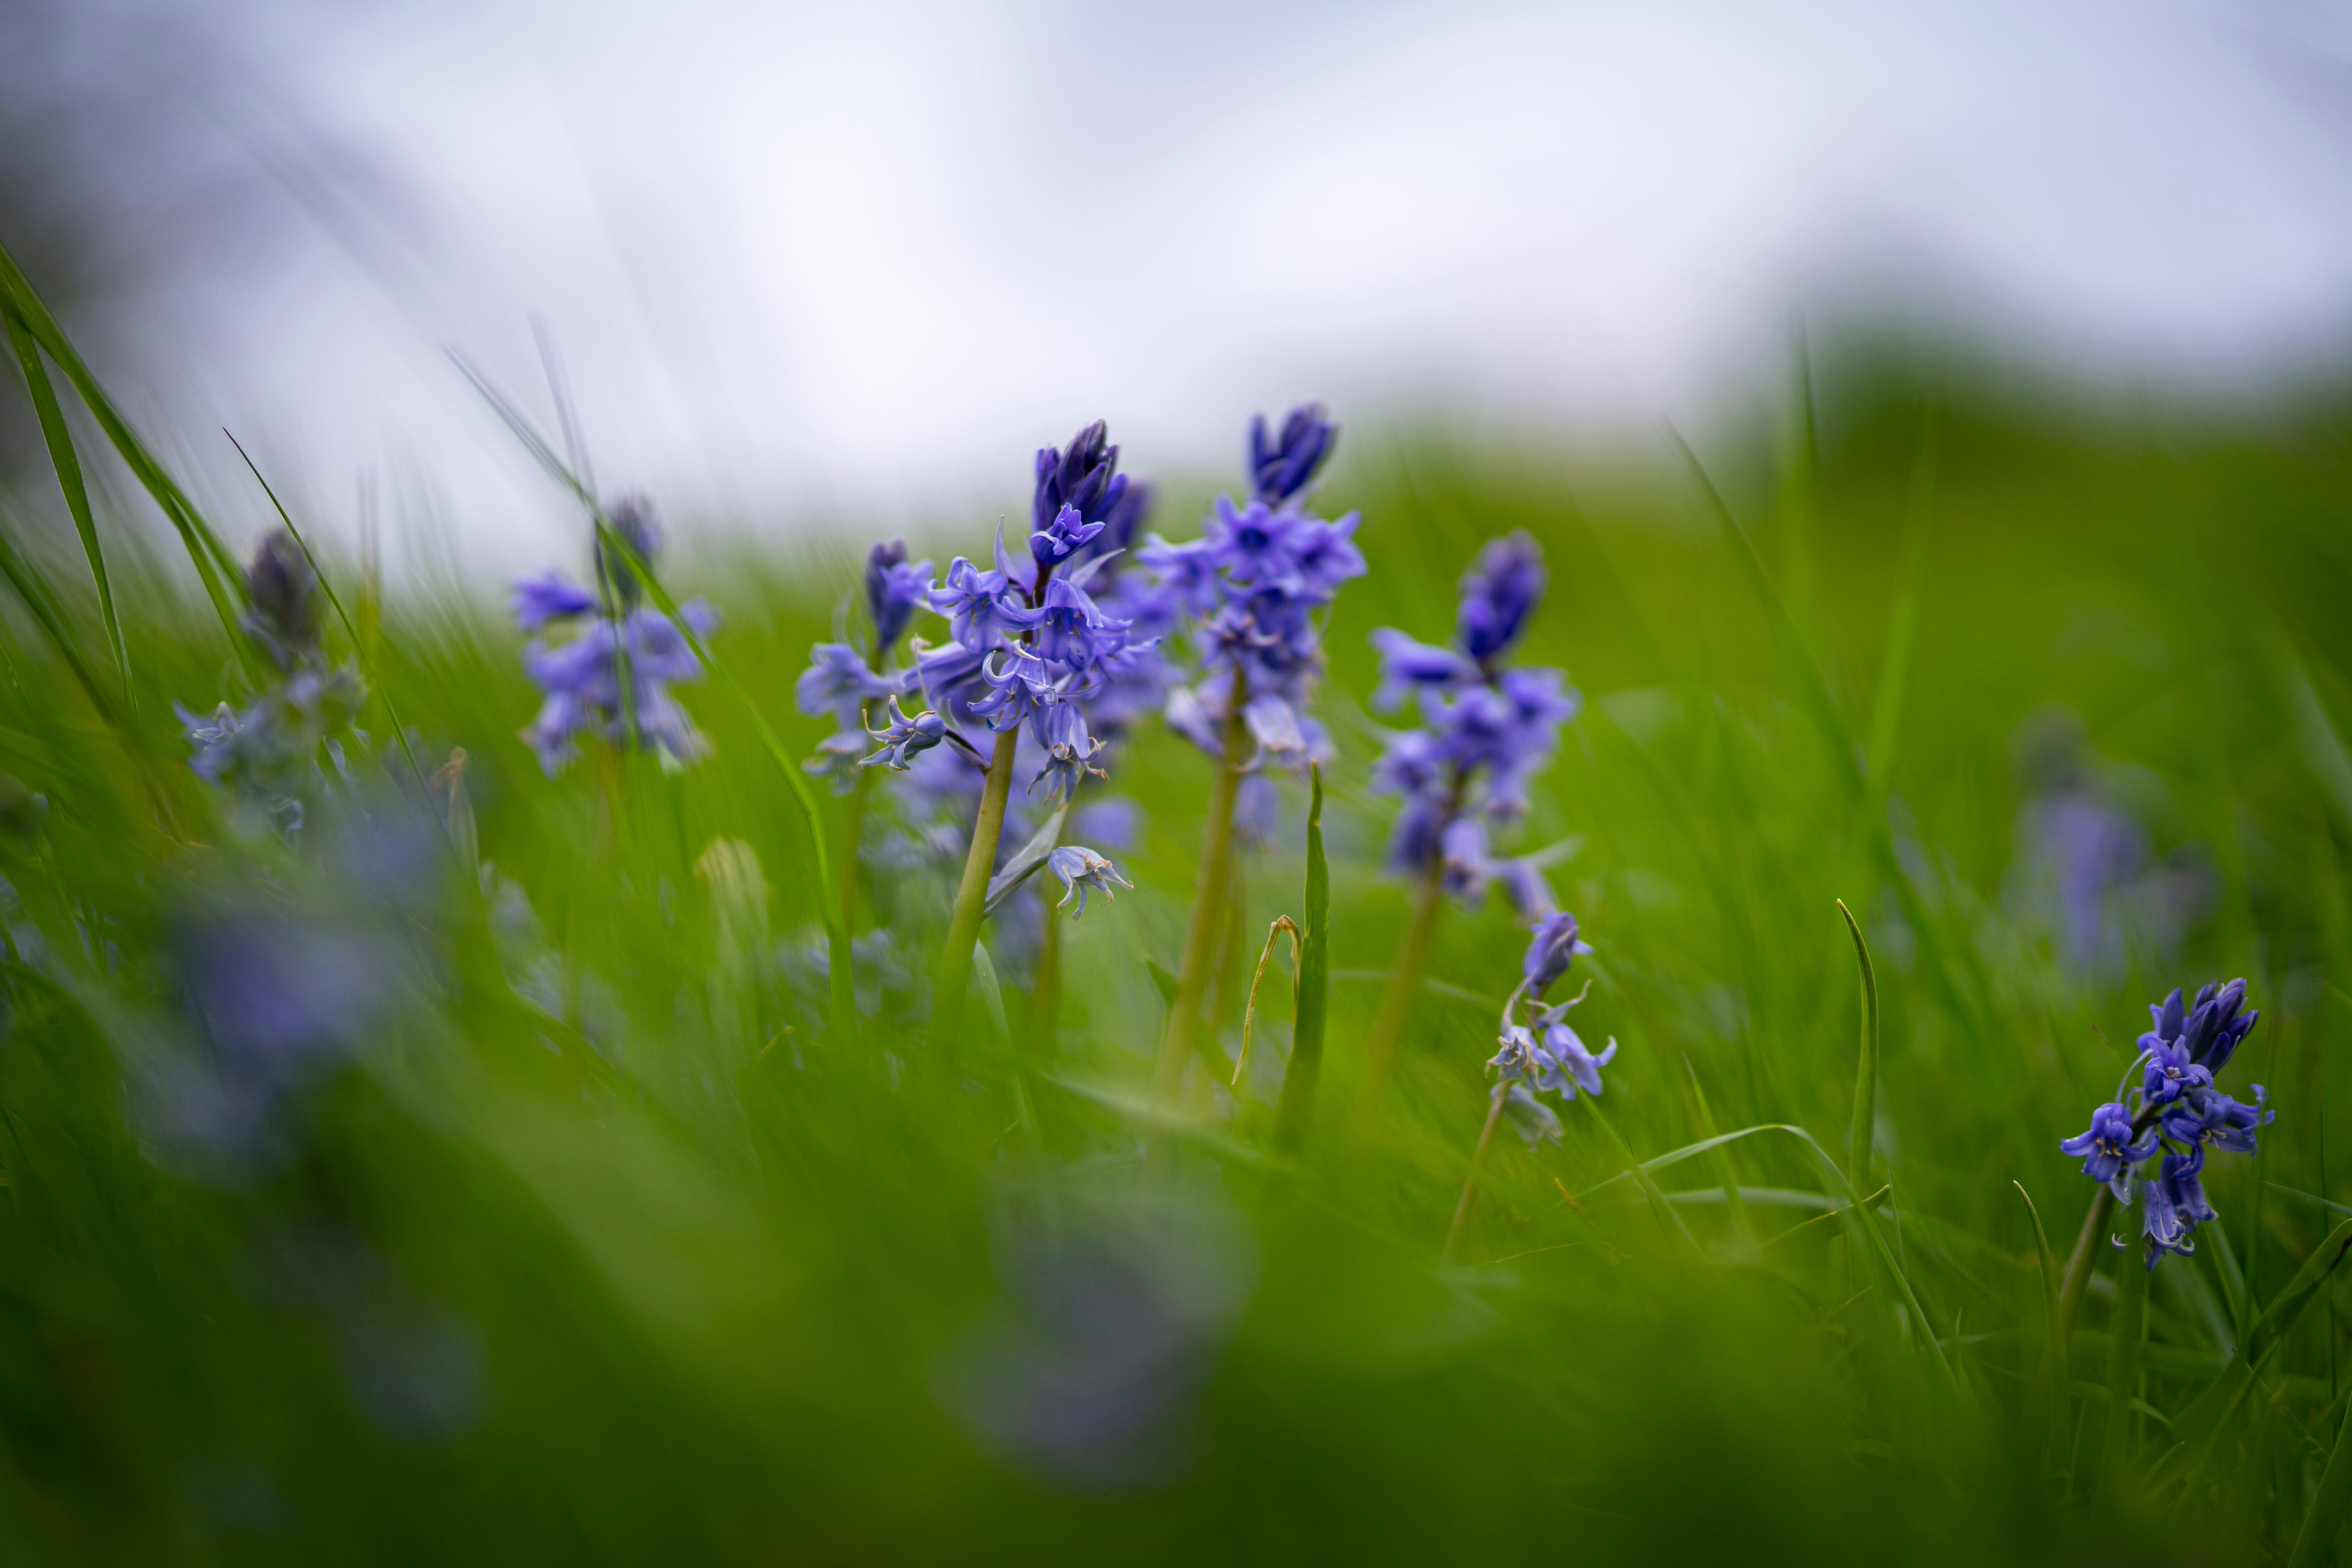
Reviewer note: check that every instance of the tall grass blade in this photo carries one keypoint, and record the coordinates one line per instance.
(50, 615)
(2205, 1423)
(68, 465)
(1865, 1072)
(216, 566)
(1294, 1111)
(1734, 1200)
(2053, 1322)
(1894, 669)
(2316, 1542)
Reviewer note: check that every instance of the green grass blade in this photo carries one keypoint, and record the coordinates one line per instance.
(50, 615)
(1294, 1111)
(68, 465)
(1865, 1072)
(2053, 1322)
(1732, 1198)
(216, 567)
(2316, 1542)
(2206, 1420)
(1893, 673)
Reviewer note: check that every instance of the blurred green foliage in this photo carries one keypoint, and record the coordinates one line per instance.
(600, 1251)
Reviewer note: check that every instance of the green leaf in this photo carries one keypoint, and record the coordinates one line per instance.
(219, 570)
(2054, 1342)
(1295, 1111)
(68, 464)
(1162, 981)
(1865, 1072)
(2206, 1422)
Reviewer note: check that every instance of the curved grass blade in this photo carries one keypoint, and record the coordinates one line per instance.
(1733, 1198)
(1295, 1111)
(217, 568)
(2053, 1343)
(1893, 672)
(68, 464)
(2315, 1543)
(50, 615)
(1249, 1012)
(1865, 1072)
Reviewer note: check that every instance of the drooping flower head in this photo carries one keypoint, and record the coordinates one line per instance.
(2175, 1111)
(894, 590)
(1545, 1054)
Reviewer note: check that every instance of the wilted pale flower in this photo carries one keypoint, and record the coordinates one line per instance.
(904, 737)
(1080, 869)
(1549, 953)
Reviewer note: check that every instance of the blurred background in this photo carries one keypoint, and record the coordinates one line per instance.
(817, 264)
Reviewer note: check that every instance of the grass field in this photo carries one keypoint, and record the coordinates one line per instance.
(560, 1224)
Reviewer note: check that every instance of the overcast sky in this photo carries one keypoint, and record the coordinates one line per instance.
(862, 259)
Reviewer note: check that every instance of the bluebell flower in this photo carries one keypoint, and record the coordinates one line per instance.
(2108, 1151)
(2177, 1112)
(1553, 948)
(1080, 869)
(894, 590)
(548, 596)
(1486, 729)
(267, 753)
(1525, 884)
(1499, 593)
(1114, 823)
(581, 681)
(1063, 536)
(981, 607)
(839, 681)
(903, 737)
(631, 519)
(1083, 476)
(1257, 812)
(1283, 467)
(1070, 752)
(1566, 1065)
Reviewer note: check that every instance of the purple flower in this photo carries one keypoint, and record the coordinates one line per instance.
(980, 606)
(632, 520)
(2213, 1118)
(1282, 467)
(2108, 1151)
(1070, 752)
(2170, 1074)
(1407, 666)
(549, 596)
(894, 590)
(1499, 593)
(1083, 476)
(1463, 845)
(1080, 869)
(1566, 1065)
(904, 737)
(1113, 822)
(1254, 544)
(1061, 537)
(1549, 953)
(285, 601)
(582, 679)
(838, 681)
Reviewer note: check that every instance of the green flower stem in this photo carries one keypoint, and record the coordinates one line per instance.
(2086, 1250)
(853, 829)
(1397, 1000)
(1202, 929)
(1470, 1182)
(963, 927)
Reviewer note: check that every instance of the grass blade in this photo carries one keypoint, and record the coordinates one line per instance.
(1295, 1111)
(2314, 1542)
(1886, 719)
(218, 569)
(2053, 1326)
(50, 615)
(1865, 1072)
(68, 465)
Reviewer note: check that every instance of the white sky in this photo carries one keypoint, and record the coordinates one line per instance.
(860, 260)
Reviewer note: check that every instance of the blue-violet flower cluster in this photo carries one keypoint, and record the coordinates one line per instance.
(1486, 730)
(583, 677)
(1545, 1053)
(2150, 1142)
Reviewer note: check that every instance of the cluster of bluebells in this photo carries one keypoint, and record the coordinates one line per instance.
(2149, 1143)
(1544, 1053)
(1030, 651)
(268, 751)
(611, 678)
(1253, 585)
(1486, 731)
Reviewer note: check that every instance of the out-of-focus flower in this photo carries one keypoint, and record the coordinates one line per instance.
(839, 681)
(1553, 948)
(894, 590)
(1282, 467)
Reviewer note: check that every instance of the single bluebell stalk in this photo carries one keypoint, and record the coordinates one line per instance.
(1034, 661)
(1463, 776)
(1080, 869)
(615, 639)
(267, 753)
(2176, 1112)
(1538, 1054)
(1252, 587)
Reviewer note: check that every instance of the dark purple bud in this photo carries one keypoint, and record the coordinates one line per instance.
(1553, 949)
(894, 590)
(633, 518)
(285, 592)
(1084, 475)
(1282, 468)
(1497, 593)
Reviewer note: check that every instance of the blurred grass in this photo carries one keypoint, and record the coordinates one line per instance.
(729, 1292)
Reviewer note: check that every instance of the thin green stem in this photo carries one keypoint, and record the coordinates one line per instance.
(1470, 1182)
(1397, 1000)
(971, 897)
(2078, 1263)
(1202, 929)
